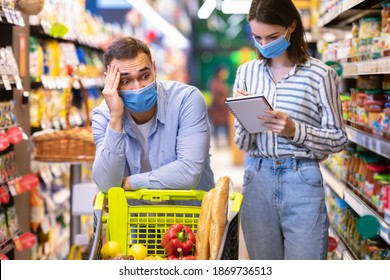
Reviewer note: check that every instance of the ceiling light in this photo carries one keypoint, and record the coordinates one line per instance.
(206, 9)
(236, 6)
(173, 35)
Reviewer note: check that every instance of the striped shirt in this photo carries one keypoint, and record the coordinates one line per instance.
(309, 95)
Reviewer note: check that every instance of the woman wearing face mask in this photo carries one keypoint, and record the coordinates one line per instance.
(283, 214)
(152, 134)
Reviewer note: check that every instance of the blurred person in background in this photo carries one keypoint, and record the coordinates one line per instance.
(148, 133)
(283, 214)
(218, 111)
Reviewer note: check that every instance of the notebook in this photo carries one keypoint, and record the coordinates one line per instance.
(246, 109)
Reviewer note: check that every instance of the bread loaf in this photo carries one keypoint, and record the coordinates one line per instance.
(219, 208)
(202, 247)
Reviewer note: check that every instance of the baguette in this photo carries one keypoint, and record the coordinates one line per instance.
(219, 210)
(202, 247)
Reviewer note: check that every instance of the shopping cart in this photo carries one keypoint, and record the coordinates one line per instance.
(147, 223)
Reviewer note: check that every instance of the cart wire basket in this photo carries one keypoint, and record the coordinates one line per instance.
(146, 224)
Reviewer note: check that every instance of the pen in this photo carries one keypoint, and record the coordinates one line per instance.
(245, 86)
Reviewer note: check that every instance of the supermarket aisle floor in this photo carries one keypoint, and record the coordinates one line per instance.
(222, 165)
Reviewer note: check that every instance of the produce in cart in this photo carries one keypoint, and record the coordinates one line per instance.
(181, 257)
(147, 224)
(178, 241)
(138, 251)
(110, 249)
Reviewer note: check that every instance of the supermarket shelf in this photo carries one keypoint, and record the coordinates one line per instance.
(38, 31)
(355, 202)
(376, 65)
(336, 185)
(11, 82)
(60, 210)
(349, 11)
(361, 209)
(353, 75)
(342, 249)
(9, 244)
(369, 141)
(4, 21)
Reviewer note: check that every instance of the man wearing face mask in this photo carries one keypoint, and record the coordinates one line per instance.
(283, 213)
(148, 133)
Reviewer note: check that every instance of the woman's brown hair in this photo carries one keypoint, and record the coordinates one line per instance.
(283, 13)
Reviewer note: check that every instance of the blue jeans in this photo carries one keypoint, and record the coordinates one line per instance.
(283, 214)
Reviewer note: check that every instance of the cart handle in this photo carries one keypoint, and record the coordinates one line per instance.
(98, 203)
(164, 195)
(237, 198)
(99, 220)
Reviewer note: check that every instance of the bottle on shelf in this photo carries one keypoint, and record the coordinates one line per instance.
(385, 14)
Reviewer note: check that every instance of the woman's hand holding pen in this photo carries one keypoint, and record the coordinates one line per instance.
(279, 123)
(242, 92)
(276, 121)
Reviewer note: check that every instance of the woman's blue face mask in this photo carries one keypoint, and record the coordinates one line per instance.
(274, 48)
(140, 100)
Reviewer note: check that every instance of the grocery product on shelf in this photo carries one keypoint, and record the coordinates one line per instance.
(345, 224)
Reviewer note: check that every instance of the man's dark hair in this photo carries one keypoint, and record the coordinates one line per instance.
(125, 48)
(283, 13)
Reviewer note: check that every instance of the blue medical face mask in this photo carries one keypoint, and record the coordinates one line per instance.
(274, 48)
(140, 100)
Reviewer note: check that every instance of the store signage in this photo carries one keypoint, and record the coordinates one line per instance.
(4, 142)
(28, 182)
(28, 240)
(14, 134)
(4, 195)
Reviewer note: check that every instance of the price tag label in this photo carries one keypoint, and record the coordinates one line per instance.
(4, 142)
(11, 187)
(45, 225)
(29, 181)
(14, 17)
(14, 135)
(18, 244)
(18, 82)
(56, 170)
(6, 82)
(20, 18)
(7, 15)
(4, 195)
(378, 146)
(28, 240)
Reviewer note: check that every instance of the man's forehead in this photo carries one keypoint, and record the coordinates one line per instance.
(133, 66)
(126, 72)
(140, 59)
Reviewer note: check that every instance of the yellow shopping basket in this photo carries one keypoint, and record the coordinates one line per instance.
(128, 223)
